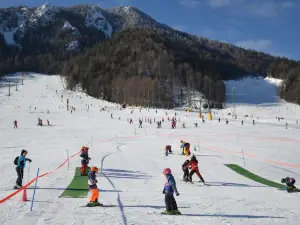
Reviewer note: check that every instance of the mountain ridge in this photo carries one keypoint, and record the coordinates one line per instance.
(40, 39)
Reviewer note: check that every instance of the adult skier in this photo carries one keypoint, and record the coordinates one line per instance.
(168, 191)
(289, 181)
(185, 170)
(20, 163)
(92, 182)
(193, 165)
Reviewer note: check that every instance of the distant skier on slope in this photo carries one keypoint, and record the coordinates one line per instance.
(289, 181)
(20, 163)
(84, 154)
(168, 191)
(193, 165)
(92, 182)
(168, 149)
(15, 124)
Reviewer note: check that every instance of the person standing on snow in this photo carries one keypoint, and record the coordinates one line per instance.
(168, 191)
(185, 170)
(92, 182)
(84, 160)
(15, 124)
(20, 163)
(193, 165)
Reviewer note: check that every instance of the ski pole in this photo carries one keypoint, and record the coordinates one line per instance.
(28, 173)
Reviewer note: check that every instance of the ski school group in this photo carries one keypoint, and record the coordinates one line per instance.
(189, 168)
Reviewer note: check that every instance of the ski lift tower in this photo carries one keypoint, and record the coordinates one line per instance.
(233, 94)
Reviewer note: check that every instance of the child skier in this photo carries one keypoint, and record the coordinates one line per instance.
(193, 165)
(92, 182)
(84, 160)
(289, 183)
(168, 149)
(185, 170)
(185, 148)
(169, 189)
(20, 163)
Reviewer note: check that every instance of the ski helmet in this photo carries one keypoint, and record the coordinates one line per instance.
(167, 171)
(181, 141)
(94, 169)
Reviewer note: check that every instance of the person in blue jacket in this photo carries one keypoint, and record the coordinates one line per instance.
(169, 189)
(21, 163)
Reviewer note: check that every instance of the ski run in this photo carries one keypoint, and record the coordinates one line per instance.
(131, 160)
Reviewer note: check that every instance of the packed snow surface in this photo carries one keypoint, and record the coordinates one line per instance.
(131, 160)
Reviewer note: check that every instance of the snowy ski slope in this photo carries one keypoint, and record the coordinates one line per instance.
(131, 160)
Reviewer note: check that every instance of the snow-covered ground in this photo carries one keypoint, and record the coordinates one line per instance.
(131, 160)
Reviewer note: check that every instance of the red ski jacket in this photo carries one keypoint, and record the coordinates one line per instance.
(193, 165)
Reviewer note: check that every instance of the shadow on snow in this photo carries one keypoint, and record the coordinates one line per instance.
(234, 216)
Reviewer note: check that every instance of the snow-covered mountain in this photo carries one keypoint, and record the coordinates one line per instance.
(15, 23)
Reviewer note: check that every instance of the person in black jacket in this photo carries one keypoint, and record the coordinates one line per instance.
(84, 160)
(21, 163)
(185, 170)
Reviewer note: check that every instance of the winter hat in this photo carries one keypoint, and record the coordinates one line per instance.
(23, 151)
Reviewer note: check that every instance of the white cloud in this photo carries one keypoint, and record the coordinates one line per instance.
(259, 45)
(288, 4)
(260, 8)
(219, 3)
(265, 9)
(189, 3)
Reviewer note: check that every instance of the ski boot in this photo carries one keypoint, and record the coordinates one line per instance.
(176, 212)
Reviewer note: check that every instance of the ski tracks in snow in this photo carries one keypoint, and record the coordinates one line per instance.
(120, 204)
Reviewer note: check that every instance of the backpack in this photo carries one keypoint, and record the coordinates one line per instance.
(16, 160)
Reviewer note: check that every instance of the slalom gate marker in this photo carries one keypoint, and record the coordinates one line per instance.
(254, 177)
(33, 180)
(32, 201)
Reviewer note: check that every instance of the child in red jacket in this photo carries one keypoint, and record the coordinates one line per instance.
(193, 165)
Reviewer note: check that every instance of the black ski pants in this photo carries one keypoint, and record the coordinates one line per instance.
(186, 174)
(198, 173)
(170, 202)
(20, 172)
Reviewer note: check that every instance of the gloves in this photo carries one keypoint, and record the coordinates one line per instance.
(29, 160)
(96, 181)
(177, 194)
(89, 158)
(164, 191)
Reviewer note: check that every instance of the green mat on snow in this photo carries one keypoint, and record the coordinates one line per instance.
(254, 177)
(78, 188)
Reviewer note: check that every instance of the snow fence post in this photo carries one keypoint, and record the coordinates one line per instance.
(68, 159)
(37, 174)
(244, 158)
